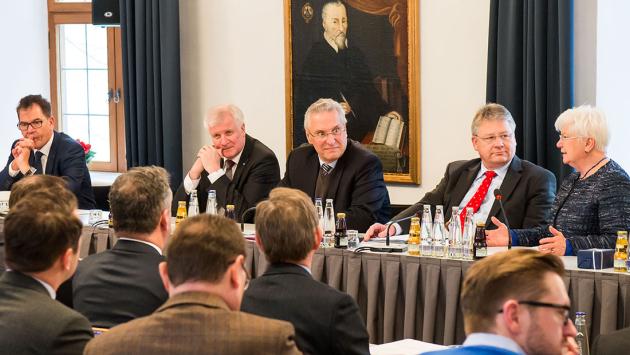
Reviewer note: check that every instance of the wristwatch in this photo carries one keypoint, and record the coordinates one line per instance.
(30, 171)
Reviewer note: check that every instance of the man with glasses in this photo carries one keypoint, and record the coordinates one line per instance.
(336, 167)
(515, 302)
(527, 190)
(46, 151)
(205, 278)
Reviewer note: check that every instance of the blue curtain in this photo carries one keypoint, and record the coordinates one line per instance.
(530, 71)
(152, 84)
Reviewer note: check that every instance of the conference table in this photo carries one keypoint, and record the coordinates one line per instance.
(401, 296)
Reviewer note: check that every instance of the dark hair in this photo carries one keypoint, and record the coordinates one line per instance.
(286, 225)
(514, 274)
(38, 182)
(137, 199)
(40, 228)
(202, 248)
(28, 101)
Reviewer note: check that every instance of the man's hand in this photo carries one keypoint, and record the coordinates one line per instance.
(195, 171)
(21, 154)
(210, 158)
(497, 237)
(571, 348)
(556, 245)
(378, 230)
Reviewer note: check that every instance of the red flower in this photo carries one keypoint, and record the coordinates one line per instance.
(86, 147)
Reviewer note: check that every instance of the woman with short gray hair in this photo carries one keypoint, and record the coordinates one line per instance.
(592, 204)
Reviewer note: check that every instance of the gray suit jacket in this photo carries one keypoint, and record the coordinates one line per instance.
(614, 343)
(33, 323)
(197, 323)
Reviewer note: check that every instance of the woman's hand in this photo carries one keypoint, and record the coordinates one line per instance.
(556, 245)
(497, 237)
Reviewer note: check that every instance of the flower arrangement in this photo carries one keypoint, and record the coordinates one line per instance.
(89, 153)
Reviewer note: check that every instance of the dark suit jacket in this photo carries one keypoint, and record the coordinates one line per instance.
(527, 192)
(33, 323)
(197, 323)
(614, 343)
(119, 284)
(356, 186)
(66, 159)
(257, 173)
(326, 321)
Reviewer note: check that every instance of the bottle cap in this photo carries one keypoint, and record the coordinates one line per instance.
(229, 206)
(415, 219)
(620, 233)
(179, 203)
(341, 215)
(580, 313)
(318, 199)
(481, 224)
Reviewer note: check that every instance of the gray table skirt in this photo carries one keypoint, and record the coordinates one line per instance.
(404, 296)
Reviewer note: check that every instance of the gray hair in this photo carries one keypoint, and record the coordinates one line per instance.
(586, 121)
(492, 111)
(216, 115)
(137, 199)
(334, 2)
(324, 105)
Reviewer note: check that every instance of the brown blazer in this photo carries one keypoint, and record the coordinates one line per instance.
(197, 323)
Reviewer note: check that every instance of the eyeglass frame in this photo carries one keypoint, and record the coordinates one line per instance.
(503, 137)
(248, 277)
(321, 136)
(32, 124)
(567, 138)
(567, 309)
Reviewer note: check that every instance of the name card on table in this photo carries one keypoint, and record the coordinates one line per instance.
(595, 259)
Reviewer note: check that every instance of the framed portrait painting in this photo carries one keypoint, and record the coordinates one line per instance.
(364, 55)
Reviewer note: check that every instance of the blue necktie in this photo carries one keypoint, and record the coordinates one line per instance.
(37, 164)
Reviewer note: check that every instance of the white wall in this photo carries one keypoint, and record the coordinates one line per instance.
(226, 57)
(24, 25)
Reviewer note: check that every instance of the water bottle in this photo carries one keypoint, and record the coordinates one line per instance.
(581, 338)
(468, 235)
(320, 212)
(193, 205)
(438, 232)
(211, 206)
(426, 227)
(455, 249)
(329, 223)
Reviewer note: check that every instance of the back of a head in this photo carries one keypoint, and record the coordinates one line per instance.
(34, 183)
(286, 225)
(202, 248)
(137, 199)
(514, 274)
(39, 228)
(492, 111)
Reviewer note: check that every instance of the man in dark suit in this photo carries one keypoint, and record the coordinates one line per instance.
(41, 243)
(205, 278)
(527, 190)
(326, 321)
(46, 151)
(614, 343)
(238, 167)
(336, 167)
(123, 283)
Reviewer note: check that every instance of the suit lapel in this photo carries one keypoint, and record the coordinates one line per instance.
(52, 154)
(310, 178)
(335, 178)
(247, 151)
(508, 185)
(464, 183)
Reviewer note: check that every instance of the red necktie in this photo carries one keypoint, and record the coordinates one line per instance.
(477, 199)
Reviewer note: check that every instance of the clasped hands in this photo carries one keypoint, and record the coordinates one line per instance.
(208, 159)
(21, 153)
(553, 245)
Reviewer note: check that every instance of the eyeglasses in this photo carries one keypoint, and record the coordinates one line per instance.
(564, 138)
(321, 136)
(23, 126)
(248, 277)
(566, 309)
(503, 137)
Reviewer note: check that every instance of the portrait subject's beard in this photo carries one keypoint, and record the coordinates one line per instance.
(340, 40)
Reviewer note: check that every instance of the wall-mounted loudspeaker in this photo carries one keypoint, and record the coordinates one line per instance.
(105, 13)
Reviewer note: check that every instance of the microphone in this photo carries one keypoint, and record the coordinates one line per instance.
(396, 221)
(497, 195)
(243, 217)
(387, 248)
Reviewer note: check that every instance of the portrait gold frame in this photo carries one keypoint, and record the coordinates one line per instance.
(413, 51)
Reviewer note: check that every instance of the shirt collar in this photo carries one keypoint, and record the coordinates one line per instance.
(46, 148)
(332, 42)
(145, 242)
(332, 165)
(500, 171)
(236, 158)
(494, 340)
(48, 288)
(305, 268)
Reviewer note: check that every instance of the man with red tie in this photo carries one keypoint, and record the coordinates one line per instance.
(527, 189)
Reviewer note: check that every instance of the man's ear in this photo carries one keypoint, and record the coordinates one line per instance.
(319, 234)
(512, 317)
(234, 271)
(66, 259)
(257, 238)
(474, 143)
(164, 275)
